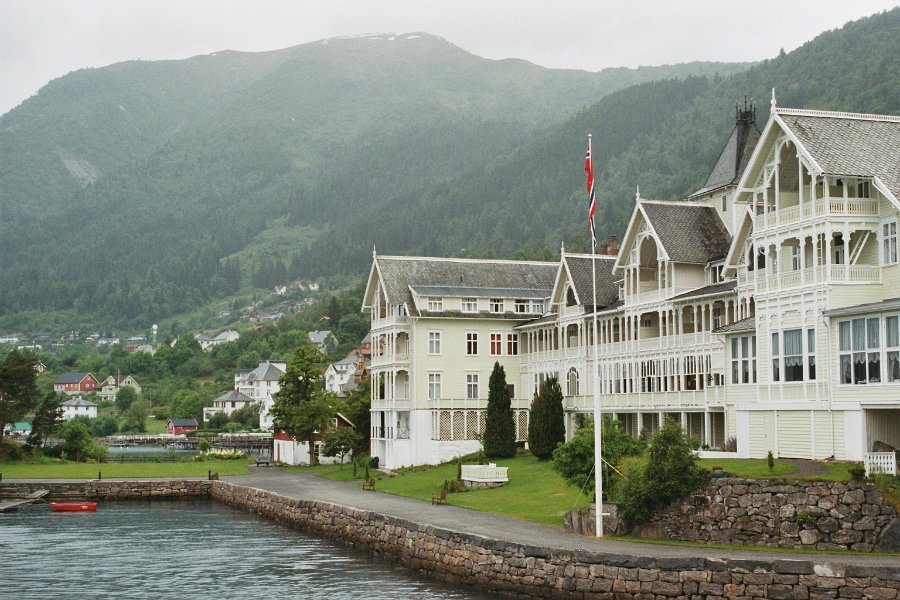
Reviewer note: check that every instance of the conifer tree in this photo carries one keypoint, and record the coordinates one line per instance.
(500, 428)
(546, 426)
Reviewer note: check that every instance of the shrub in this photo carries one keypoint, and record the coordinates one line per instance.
(670, 473)
(857, 472)
(11, 451)
(220, 455)
(500, 428)
(730, 445)
(770, 460)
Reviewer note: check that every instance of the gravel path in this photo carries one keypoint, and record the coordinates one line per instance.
(306, 486)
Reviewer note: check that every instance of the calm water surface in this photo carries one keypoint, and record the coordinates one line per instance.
(188, 550)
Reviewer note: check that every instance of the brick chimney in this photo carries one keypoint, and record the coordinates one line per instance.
(604, 249)
(613, 246)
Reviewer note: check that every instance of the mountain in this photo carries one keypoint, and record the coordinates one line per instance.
(132, 193)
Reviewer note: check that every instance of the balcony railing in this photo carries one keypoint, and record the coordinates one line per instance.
(473, 403)
(650, 401)
(391, 403)
(389, 321)
(390, 358)
(824, 207)
(859, 274)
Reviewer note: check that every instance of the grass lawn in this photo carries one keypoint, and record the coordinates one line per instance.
(757, 468)
(535, 491)
(73, 470)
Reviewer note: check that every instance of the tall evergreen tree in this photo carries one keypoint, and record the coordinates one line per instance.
(48, 417)
(500, 428)
(18, 392)
(546, 426)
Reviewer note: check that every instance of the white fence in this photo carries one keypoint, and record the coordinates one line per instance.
(880, 462)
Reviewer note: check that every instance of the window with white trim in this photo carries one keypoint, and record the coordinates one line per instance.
(472, 386)
(434, 386)
(743, 359)
(811, 354)
(521, 306)
(434, 342)
(472, 343)
(793, 355)
(435, 304)
(496, 344)
(892, 345)
(889, 243)
(859, 350)
(572, 382)
(496, 305)
(512, 344)
(776, 358)
(470, 305)
(537, 307)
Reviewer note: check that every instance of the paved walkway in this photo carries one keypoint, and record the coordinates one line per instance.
(306, 486)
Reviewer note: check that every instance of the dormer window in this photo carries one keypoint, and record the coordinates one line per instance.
(537, 306)
(496, 305)
(470, 305)
(862, 189)
(521, 306)
(435, 304)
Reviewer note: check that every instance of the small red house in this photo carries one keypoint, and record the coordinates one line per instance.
(289, 450)
(76, 383)
(181, 426)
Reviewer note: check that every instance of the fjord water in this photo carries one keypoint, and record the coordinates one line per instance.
(189, 549)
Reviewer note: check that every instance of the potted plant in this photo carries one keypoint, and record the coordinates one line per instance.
(857, 472)
(717, 471)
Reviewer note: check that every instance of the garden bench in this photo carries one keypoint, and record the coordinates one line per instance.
(263, 462)
(369, 484)
(441, 497)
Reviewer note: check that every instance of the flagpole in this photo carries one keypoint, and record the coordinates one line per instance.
(598, 423)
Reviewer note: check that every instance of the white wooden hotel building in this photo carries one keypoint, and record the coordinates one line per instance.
(764, 308)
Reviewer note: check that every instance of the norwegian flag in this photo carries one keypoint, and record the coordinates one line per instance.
(592, 198)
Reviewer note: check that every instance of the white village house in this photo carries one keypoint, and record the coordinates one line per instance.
(754, 310)
(227, 403)
(260, 385)
(110, 386)
(78, 407)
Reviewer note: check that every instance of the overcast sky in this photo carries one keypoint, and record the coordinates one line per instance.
(44, 39)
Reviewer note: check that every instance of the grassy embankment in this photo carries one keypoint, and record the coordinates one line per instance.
(111, 470)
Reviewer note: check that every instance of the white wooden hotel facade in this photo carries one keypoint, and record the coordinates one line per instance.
(764, 308)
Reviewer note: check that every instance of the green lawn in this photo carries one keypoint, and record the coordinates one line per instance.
(535, 491)
(757, 468)
(73, 470)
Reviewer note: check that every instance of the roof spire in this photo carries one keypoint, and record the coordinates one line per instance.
(373, 251)
(562, 248)
(637, 193)
(773, 105)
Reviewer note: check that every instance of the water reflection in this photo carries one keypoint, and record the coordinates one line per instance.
(188, 550)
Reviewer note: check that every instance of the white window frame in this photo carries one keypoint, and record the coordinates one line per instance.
(472, 386)
(521, 306)
(892, 349)
(859, 348)
(743, 360)
(496, 305)
(434, 343)
(512, 344)
(435, 304)
(471, 343)
(469, 305)
(889, 243)
(496, 344)
(434, 386)
(537, 307)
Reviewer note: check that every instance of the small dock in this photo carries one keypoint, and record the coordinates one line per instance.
(8, 505)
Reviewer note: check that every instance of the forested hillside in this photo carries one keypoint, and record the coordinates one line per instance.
(138, 191)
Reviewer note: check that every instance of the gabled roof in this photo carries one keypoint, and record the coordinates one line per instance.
(736, 154)
(234, 396)
(184, 422)
(849, 143)
(264, 372)
(78, 401)
(689, 233)
(578, 269)
(890, 304)
(457, 276)
(71, 377)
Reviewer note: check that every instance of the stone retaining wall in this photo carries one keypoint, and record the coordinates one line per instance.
(539, 572)
(794, 514)
(109, 490)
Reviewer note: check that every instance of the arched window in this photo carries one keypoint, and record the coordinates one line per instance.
(573, 382)
(570, 297)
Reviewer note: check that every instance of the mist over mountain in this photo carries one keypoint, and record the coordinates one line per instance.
(134, 192)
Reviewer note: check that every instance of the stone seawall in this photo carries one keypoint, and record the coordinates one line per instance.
(823, 515)
(540, 572)
(109, 490)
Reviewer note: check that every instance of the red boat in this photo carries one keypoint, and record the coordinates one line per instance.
(73, 506)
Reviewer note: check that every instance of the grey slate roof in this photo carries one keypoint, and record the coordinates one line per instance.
(734, 157)
(78, 401)
(184, 422)
(399, 273)
(716, 288)
(690, 233)
(748, 324)
(71, 377)
(580, 268)
(264, 372)
(850, 144)
(234, 396)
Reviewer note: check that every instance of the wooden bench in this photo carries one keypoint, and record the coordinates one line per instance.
(263, 462)
(441, 497)
(369, 484)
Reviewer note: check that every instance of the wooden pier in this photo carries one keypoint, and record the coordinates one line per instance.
(8, 505)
